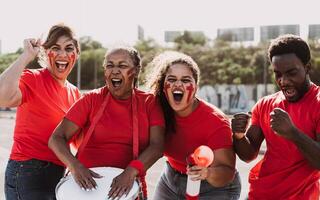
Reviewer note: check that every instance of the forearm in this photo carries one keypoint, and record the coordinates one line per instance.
(150, 155)
(244, 149)
(220, 175)
(9, 80)
(59, 146)
(309, 148)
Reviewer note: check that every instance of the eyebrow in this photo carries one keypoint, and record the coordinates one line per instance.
(173, 76)
(288, 71)
(121, 62)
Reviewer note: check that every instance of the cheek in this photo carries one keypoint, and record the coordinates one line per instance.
(131, 73)
(191, 90)
(72, 58)
(51, 56)
(166, 87)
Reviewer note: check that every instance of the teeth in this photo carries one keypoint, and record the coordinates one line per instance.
(116, 79)
(177, 92)
(62, 62)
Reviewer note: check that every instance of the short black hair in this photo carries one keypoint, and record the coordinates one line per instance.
(287, 44)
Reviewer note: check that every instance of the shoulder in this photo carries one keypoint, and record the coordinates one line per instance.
(32, 73)
(145, 96)
(94, 96)
(212, 112)
(95, 93)
(278, 96)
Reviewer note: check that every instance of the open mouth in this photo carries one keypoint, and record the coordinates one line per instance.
(289, 92)
(177, 95)
(116, 82)
(61, 65)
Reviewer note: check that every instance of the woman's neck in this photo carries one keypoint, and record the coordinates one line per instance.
(188, 110)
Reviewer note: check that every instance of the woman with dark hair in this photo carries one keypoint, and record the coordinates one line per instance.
(128, 115)
(190, 123)
(42, 97)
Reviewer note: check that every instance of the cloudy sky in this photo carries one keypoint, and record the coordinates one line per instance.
(112, 21)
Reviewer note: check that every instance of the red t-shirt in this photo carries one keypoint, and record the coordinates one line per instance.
(44, 104)
(206, 125)
(284, 173)
(111, 141)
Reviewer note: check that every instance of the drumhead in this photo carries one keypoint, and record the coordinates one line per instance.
(68, 189)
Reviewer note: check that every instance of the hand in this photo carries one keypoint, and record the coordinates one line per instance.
(281, 123)
(31, 49)
(123, 183)
(198, 173)
(84, 177)
(239, 124)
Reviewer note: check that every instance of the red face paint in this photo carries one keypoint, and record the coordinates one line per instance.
(131, 72)
(72, 58)
(190, 88)
(166, 87)
(51, 55)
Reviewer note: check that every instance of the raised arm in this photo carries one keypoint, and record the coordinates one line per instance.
(246, 142)
(10, 94)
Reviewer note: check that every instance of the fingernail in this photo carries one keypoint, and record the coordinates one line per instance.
(88, 190)
(82, 189)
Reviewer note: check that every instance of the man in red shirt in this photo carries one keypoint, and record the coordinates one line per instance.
(42, 96)
(289, 121)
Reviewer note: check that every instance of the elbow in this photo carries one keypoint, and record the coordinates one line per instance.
(52, 141)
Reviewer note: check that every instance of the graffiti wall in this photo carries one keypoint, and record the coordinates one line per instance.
(234, 98)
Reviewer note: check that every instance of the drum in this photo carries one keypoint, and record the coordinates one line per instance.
(68, 189)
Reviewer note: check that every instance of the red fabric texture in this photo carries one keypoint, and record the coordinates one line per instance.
(44, 104)
(284, 173)
(111, 141)
(188, 197)
(206, 125)
(138, 165)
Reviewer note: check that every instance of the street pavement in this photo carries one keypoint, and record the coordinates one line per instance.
(7, 121)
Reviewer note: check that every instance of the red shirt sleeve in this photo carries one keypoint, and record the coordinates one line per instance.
(155, 113)
(256, 114)
(80, 111)
(221, 137)
(27, 84)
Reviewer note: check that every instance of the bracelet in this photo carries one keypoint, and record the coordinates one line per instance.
(138, 165)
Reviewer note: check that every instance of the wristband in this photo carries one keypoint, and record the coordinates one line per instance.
(138, 165)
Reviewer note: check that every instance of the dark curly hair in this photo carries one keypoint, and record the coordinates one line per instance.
(287, 44)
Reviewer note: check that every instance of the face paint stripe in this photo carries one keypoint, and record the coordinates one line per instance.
(72, 58)
(166, 87)
(51, 57)
(190, 88)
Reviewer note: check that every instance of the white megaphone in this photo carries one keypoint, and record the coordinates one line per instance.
(202, 156)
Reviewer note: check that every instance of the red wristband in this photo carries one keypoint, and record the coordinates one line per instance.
(137, 164)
